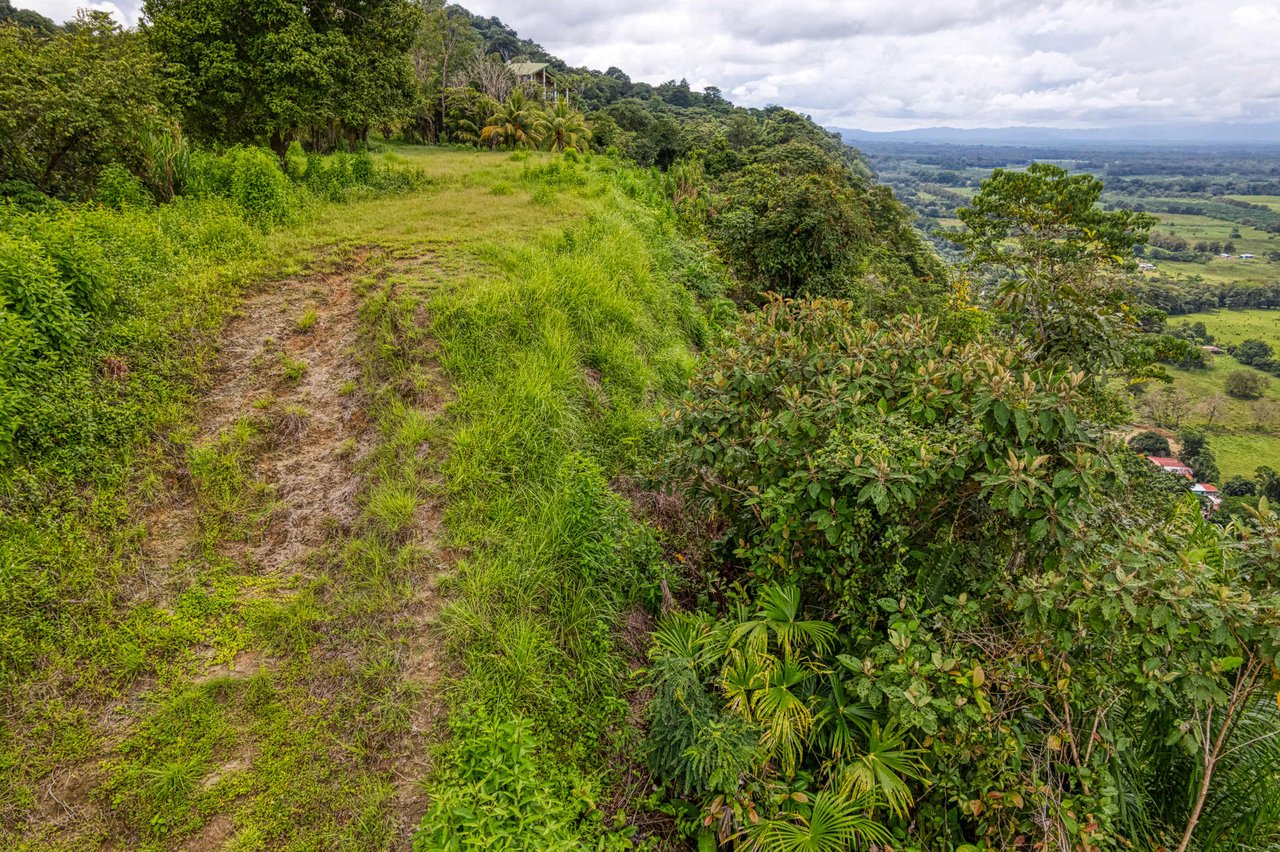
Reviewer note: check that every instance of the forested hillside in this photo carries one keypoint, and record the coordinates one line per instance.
(409, 441)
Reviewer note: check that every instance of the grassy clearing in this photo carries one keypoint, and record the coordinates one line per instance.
(560, 357)
(1215, 269)
(1272, 201)
(1241, 453)
(1233, 326)
(1243, 433)
(226, 701)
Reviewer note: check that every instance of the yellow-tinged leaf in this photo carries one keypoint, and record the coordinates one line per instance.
(979, 676)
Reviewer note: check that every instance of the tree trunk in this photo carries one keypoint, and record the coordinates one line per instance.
(280, 143)
(1239, 695)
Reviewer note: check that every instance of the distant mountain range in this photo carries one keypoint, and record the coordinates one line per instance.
(1138, 134)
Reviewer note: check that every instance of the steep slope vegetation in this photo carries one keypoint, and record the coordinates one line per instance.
(263, 666)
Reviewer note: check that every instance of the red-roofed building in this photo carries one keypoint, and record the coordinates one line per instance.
(1173, 466)
(1208, 495)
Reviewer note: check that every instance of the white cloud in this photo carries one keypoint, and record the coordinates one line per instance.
(64, 10)
(884, 64)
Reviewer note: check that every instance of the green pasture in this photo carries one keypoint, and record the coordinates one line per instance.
(1272, 201)
(1243, 433)
(1233, 326)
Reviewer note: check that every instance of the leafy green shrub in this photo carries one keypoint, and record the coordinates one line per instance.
(96, 287)
(25, 196)
(250, 177)
(1149, 444)
(860, 423)
(1252, 352)
(794, 223)
(80, 259)
(1245, 384)
(35, 296)
(1239, 486)
(988, 579)
(504, 795)
(74, 101)
(362, 169)
(258, 185)
(295, 162)
(1198, 455)
(211, 228)
(119, 188)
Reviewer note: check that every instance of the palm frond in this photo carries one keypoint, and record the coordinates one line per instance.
(883, 769)
(832, 823)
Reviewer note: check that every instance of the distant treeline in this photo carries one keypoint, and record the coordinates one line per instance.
(1188, 296)
(1133, 172)
(1225, 209)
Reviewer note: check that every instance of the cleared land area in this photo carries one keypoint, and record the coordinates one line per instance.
(1233, 326)
(409, 398)
(1195, 229)
(1272, 201)
(1243, 433)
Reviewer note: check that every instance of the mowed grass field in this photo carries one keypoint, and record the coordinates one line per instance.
(1241, 454)
(1244, 433)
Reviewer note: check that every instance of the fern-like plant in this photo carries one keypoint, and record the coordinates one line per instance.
(882, 767)
(830, 823)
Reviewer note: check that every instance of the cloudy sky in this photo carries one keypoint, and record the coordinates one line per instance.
(893, 64)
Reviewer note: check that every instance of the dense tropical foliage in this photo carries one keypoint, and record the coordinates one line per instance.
(883, 576)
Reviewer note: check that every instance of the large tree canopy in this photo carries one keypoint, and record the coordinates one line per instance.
(1056, 255)
(259, 69)
(74, 101)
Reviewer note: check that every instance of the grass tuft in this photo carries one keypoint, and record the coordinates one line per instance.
(307, 322)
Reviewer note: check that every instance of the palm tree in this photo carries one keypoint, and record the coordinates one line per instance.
(516, 124)
(566, 127)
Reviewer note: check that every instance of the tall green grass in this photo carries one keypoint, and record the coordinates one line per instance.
(560, 360)
(109, 316)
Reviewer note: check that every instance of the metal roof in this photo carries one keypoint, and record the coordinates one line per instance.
(526, 69)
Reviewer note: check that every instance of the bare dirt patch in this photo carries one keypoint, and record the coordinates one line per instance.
(214, 835)
(287, 361)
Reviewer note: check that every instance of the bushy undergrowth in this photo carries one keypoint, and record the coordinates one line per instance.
(108, 316)
(958, 609)
(269, 196)
(96, 303)
(98, 299)
(559, 362)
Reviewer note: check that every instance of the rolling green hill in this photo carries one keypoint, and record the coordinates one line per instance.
(1243, 433)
